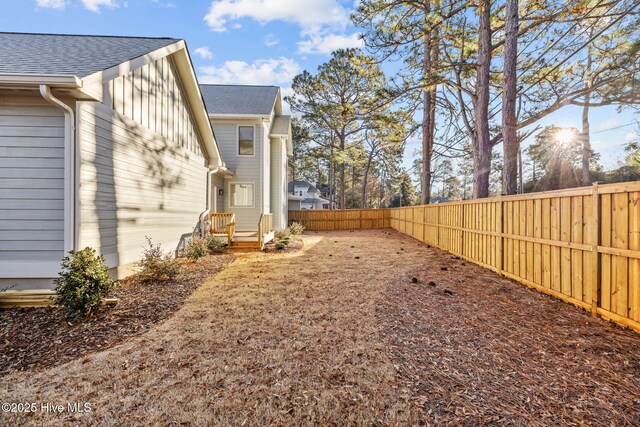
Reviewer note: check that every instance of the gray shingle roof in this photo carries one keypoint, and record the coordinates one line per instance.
(281, 125)
(70, 55)
(233, 99)
(310, 187)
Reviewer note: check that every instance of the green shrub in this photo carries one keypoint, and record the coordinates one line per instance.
(285, 241)
(83, 283)
(296, 228)
(155, 265)
(281, 233)
(196, 248)
(215, 245)
(280, 245)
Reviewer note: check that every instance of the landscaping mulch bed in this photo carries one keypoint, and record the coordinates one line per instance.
(295, 244)
(36, 338)
(475, 348)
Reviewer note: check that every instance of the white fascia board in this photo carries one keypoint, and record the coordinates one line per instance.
(238, 117)
(40, 79)
(74, 84)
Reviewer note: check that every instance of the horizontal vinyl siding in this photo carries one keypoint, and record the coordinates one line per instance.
(31, 185)
(247, 169)
(135, 183)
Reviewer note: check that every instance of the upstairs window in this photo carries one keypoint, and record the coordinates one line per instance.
(245, 140)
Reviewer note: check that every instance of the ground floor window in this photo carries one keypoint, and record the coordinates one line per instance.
(242, 195)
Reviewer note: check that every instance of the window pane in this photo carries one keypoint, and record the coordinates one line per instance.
(245, 142)
(242, 194)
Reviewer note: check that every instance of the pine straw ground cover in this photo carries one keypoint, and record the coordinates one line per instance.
(350, 330)
(35, 338)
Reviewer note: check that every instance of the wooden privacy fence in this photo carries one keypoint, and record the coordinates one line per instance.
(349, 219)
(581, 245)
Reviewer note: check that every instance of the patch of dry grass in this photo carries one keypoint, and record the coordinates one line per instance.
(274, 339)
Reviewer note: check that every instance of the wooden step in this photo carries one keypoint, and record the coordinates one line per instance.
(244, 246)
(241, 243)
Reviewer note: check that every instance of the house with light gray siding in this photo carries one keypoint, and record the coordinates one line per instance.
(103, 141)
(255, 142)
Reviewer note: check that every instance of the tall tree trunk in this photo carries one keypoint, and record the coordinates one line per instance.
(332, 188)
(425, 178)
(482, 142)
(586, 138)
(343, 179)
(365, 178)
(510, 141)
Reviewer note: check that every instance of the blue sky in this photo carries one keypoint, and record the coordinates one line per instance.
(254, 42)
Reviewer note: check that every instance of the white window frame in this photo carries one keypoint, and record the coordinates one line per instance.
(255, 140)
(253, 204)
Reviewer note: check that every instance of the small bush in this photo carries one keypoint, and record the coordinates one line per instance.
(296, 228)
(83, 283)
(280, 245)
(196, 248)
(281, 233)
(285, 241)
(215, 245)
(156, 266)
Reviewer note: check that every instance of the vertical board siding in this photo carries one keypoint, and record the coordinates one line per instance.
(134, 183)
(153, 97)
(31, 184)
(580, 245)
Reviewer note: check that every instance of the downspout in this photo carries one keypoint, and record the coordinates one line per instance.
(204, 216)
(70, 235)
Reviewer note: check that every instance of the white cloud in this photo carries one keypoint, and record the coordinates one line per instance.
(631, 136)
(272, 71)
(95, 5)
(325, 44)
(51, 4)
(167, 5)
(204, 52)
(270, 40)
(309, 14)
(322, 23)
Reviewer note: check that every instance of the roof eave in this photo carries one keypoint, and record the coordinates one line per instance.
(38, 79)
(239, 116)
(71, 84)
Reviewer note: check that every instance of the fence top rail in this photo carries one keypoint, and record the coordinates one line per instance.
(341, 210)
(621, 187)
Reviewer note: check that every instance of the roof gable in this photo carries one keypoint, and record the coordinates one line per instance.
(240, 100)
(70, 55)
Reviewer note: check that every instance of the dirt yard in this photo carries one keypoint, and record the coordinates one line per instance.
(364, 328)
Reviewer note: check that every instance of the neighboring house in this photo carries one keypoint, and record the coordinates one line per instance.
(103, 141)
(311, 197)
(255, 142)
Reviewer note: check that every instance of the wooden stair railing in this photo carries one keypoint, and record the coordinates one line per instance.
(231, 229)
(265, 226)
(223, 222)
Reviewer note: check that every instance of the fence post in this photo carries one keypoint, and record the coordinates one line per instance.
(438, 224)
(595, 254)
(501, 236)
(462, 205)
